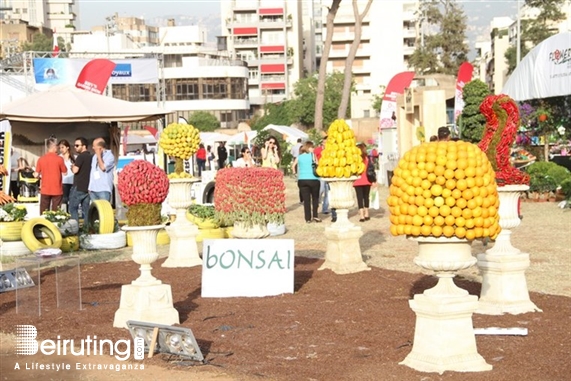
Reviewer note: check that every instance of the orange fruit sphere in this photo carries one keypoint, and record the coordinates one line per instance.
(444, 189)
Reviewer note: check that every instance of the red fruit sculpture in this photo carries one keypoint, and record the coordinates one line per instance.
(143, 187)
(502, 123)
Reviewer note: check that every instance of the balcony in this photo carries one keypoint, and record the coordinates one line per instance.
(272, 78)
(244, 5)
(246, 42)
(61, 16)
(408, 16)
(409, 33)
(408, 50)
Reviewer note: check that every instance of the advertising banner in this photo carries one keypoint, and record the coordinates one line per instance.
(464, 76)
(95, 75)
(395, 87)
(56, 71)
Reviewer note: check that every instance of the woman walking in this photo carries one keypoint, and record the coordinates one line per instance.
(363, 187)
(307, 182)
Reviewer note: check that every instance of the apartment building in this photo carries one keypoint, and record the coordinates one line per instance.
(388, 39)
(61, 16)
(268, 36)
(134, 28)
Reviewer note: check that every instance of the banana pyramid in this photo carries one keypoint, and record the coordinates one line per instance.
(340, 157)
(180, 140)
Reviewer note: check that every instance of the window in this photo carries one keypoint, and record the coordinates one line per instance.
(120, 92)
(366, 113)
(214, 88)
(186, 89)
(238, 88)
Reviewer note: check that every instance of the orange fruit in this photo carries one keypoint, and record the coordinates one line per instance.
(471, 204)
(436, 190)
(460, 232)
(451, 164)
(467, 194)
(452, 155)
(462, 163)
(400, 229)
(431, 177)
(407, 229)
(492, 210)
(450, 184)
(460, 221)
(438, 220)
(393, 229)
(461, 184)
(469, 171)
(436, 231)
(456, 193)
(470, 234)
(418, 191)
(477, 211)
(470, 223)
(439, 170)
(446, 193)
(415, 231)
(408, 220)
(425, 230)
(425, 184)
(440, 180)
(433, 211)
(456, 211)
(485, 212)
(438, 201)
(428, 220)
(487, 222)
(467, 213)
(422, 211)
(417, 220)
(430, 159)
(428, 202)
(450, 201)
(444, 210)
(416, 181)
(426, 194)
(459, 174)
(448, 231)
(402, 219)
(429, 166)
(479, 232)
(423, 173)
(404, 209)
(449, 220)
(441, 160)
(478, 221)
(419, 201)
(412, 210)
(461, 203)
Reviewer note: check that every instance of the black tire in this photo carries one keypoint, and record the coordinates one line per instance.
(48, 228)
(208, 196)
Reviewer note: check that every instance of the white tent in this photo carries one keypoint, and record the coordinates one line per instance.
(65, 103)
(291, 134)
(544, 72)
(245, 137)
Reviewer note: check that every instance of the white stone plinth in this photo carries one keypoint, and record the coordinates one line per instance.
(152, 304)
(504, 286)
(183, 251)
(146, 298)
(444, 337)
(343, 255)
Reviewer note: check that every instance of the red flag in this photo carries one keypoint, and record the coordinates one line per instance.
(55, 50)
(464, 76)
(153, 131)
(395, 87)
(95, 75)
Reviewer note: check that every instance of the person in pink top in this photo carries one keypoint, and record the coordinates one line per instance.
(363, 187)
(50, 168)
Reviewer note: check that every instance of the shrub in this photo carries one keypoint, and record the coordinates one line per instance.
(546, 168)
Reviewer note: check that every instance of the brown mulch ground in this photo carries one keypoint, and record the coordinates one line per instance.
(334, 327)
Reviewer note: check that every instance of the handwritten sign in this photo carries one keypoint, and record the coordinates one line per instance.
(247, 267)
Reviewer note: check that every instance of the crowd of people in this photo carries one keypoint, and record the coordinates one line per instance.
(69, 181)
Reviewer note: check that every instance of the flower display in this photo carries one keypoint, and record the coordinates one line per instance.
(181, 142)
(249, 195)
(502, 123)
(143, 187)
(12, 213)
(444, 189)
(341, 157)
(58, 217)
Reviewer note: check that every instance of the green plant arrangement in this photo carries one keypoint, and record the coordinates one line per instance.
(548, 168)
(143, 187)
(12, 213)
(58, 217)
(253, 196)
(202, 211)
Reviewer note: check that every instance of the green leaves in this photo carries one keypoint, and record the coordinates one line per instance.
(204, 121)
(472, 122)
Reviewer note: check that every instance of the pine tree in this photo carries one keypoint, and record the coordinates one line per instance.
(472, 122)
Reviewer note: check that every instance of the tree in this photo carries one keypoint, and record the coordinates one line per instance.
(204, 121)
(40, 43)
(302, 106)
(534, 31)
(320, 98)
(274, 113)
(347, 85)
(472, 121)
(378, 99)
(446, 50)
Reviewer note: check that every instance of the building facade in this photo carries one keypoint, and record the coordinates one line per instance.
(268, 36)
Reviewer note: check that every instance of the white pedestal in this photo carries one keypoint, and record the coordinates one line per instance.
(444, 336)
(146, 298)
(183, 251)
(152, 304)
(504, 286)
(343, 255)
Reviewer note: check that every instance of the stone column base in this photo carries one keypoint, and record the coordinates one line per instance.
(152, 304)
(183, 250)
(343, 255)
(444, 336)
(504, 287)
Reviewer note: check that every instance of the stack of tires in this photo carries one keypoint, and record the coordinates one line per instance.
(106, 237)
(207, 228)
(46, 234)
(11, 234)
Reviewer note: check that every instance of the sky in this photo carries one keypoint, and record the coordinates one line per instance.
(93, 12)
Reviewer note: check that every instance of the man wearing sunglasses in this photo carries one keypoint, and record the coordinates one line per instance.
(79, 194)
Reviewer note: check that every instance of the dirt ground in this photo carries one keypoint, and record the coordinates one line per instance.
(334, 327)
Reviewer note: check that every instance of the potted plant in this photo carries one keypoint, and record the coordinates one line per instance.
(63, 221)
(203, 216)
(181, 141)
(12, 221)
(249, 198)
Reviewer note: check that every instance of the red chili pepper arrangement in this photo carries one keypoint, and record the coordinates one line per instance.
(502, 122)
(143, 187)
(249, 195)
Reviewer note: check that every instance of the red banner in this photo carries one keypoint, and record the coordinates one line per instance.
(55, 50)
(464, 76)
(95, 75)
(395, 87)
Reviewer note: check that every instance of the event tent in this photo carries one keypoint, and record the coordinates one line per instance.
(290, 134)
(544, 72)
(65, 103)
(245, 137)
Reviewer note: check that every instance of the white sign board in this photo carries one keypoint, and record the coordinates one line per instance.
(247, 267)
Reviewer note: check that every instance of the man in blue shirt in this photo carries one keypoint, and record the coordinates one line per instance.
(101, 176)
